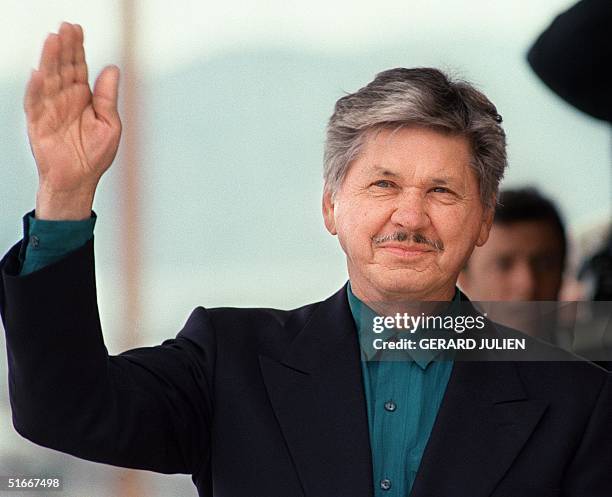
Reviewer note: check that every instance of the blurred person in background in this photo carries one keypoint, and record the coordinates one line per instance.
(517, 276)
(519, 271)
(524, 257)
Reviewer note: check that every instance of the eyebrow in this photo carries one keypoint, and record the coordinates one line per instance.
(442, 181)
(378, 169)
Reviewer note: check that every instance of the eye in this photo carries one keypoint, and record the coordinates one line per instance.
(440, 189)
(504, 263)
(544, 263)
(383, 184)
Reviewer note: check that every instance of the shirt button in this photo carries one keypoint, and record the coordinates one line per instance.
(390, 406)
(385, 484)
(34, 241)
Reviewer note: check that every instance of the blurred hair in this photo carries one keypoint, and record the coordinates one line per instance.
(421, 97)
(528, 204)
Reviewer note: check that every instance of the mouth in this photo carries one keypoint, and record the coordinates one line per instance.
(405, 251)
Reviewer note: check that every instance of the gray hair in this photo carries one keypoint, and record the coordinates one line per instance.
(424, 97)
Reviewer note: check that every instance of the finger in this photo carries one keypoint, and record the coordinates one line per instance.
(49, 58)
(66, 35)
(80, 66)
(106, 93)
(33, 101)
(49, 65)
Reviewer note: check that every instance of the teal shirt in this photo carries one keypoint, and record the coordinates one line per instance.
(402, 395)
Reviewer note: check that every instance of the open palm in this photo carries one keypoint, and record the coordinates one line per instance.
(74, 133)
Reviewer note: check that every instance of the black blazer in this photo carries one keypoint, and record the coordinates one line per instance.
(270, 403)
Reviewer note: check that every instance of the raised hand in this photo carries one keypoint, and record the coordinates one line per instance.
(74, 134)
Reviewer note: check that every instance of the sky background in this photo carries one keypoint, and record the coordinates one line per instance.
(177, 34)
(234, 100)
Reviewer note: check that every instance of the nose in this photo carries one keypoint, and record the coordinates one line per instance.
(524, 281)
(410, 211)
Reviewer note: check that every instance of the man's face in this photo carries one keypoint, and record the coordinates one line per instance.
(408, 215)
(521, 261)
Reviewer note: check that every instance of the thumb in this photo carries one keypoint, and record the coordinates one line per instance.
(106, 93)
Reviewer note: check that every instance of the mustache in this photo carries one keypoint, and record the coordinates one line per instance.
(403, 236)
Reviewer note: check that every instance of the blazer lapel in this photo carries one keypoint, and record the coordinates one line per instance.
(317, 394)
(483, 422)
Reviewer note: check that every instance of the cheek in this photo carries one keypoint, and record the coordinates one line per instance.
(449, 228)
(361, 222)
(461, 226)
(457, 232)
(552, 279)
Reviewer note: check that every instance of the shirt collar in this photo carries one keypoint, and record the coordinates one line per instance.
(364, 318)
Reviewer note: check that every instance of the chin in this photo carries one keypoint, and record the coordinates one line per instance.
(396, 283)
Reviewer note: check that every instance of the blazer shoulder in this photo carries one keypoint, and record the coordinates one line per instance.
(234, 326)
(546, 369)
(571, 381)
(261, 316)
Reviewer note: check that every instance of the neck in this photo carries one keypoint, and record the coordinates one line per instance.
(372, 296)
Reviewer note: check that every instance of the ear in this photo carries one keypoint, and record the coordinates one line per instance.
(328, 206)
(485, 227)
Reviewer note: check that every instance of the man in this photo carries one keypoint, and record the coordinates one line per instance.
(524, 257)
(521, 264)
(262, 402)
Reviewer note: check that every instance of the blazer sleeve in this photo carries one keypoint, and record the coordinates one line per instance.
(590, 472)
(148, 408)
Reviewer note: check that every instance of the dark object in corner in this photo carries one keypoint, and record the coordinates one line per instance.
(574, 54)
